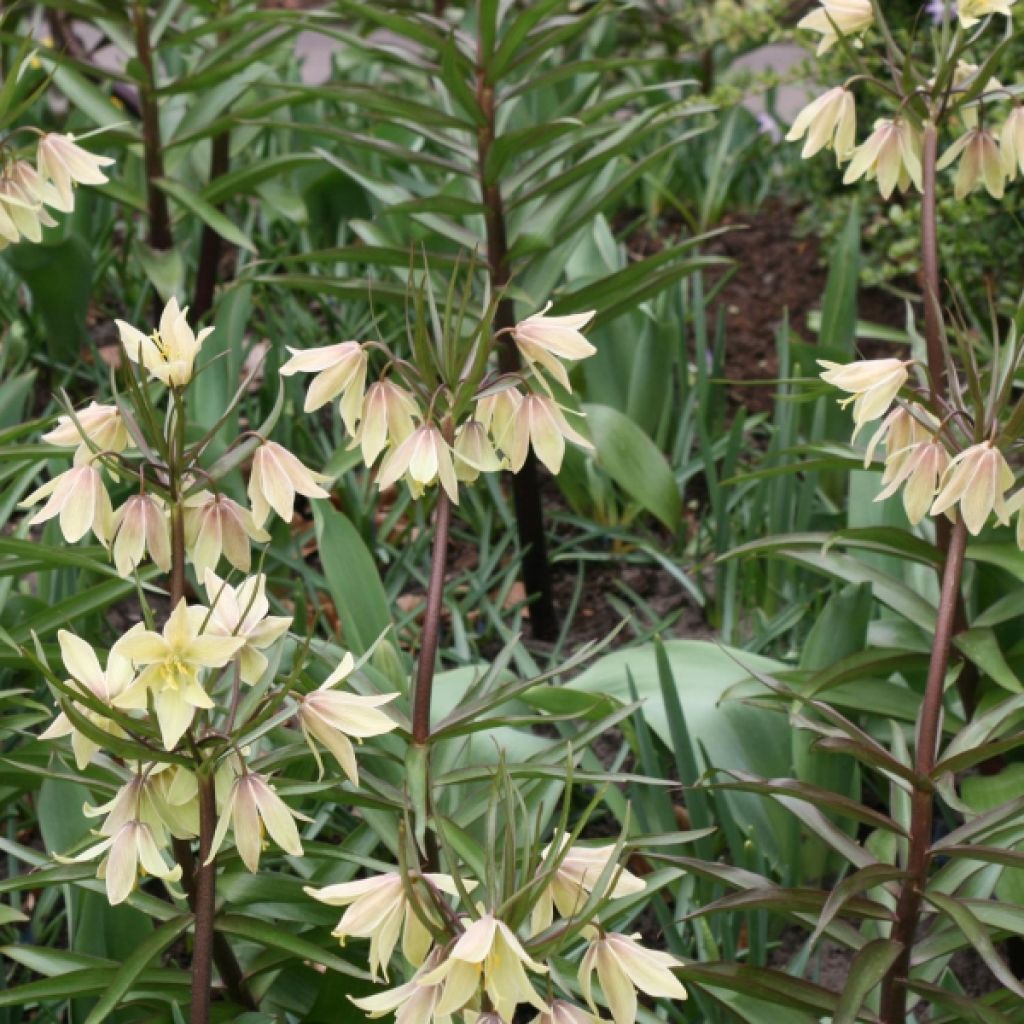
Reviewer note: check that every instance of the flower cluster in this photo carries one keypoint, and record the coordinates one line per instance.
(475, 963)
(417, 434)
(26, 190)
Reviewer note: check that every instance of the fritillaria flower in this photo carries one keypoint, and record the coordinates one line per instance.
(21, 215)
(63, 162)
(340, 370)
(497, 413)
(80, 500)
(623, 966)
(900, 430)
(970, 12)
(978, 480)
(214, 526)
(101, 425)
(847, 17)
(276, 477)
(172, 662)
(244, 611)
(423, 457)
(830, 120)
(378, 909)
(921, 468)
(1011, 142)
(575, 877)
(546, 340)
(28, 179)
(388, 418)
(331, 717)
(872, 384)
(474, 453)
(104, 685)
(129, 847)
(980, 162)
(252, 806)
(141, 525)
(539, 422)
(415, 1002)
(168, 353)
(488, 952)
(892, 154)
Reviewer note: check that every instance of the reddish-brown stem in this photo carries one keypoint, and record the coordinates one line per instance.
(160, 236)
(426, 665)
(210, 246)
(205, 896)
(526, 483)
(908, 908)
(930, 275)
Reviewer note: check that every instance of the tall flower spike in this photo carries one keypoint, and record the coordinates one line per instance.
(329, 717)
(980, 163)
(830, 120)
(170, 352)
(892, 154)
(214, 526)
(253, 805)
(623, 966)
(276, 477)
(83, 667)
(340, 370)
(574, 879)
(244, 611)
(978, 480)
(424, 457)
(970, 12)
(63, 162)
(79, 498)
(487, 951)
(873, 385)
(377, 909)
(141, 525)
(546, 340)
(172, 662)
(848, 17)
(102, 425)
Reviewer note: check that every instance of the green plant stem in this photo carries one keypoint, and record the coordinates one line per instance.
(205, 905)
(425, 667)
(160, 236)
(908, 907)
(526, 483)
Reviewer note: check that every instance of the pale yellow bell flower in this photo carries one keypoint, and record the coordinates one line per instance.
(474, 453)
(415, 1002)
(80, 500)
(170, 352)
(21, 215)
(488, 953)
(378, 909)
(101, 425)
(388, 418)
(424, 457)
(215, 526)
(1011, 143)
(900, 430)
(164, 798)
(129, 847)
(172, 662)
(872, 384)
(141, 525)
(86, 674)
(330, 717)
(497, 412)
(829, 121)
(921, 468)
(244, 611)
(253, 805)
(546, 340)
(562, 1012)
(340, 370)
(63, 162)
(574, 879)
(981, 162)
(539, 422)
(846, 17)
(28, 179)
(977, 479)
(970, 12)
(892, 154)
(623, 966)
(274, 480)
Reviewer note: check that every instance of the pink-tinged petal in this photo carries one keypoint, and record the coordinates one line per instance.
(277, 817)
(476, 941)
(245, 821)
(122, 867)
(618, 990)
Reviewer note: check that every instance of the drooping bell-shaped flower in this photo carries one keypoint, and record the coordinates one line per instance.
(141, 526)
(977, 480)
(981, 163)
(872, 384)
(101, 425)
(276, 477)
(340, 370)
(215, 526)
(828, 121)
(891, 154)
(835, 17)
(63, 162)
(79, 499)
(545, 341)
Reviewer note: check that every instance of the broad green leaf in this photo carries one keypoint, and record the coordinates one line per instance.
(207, 213)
